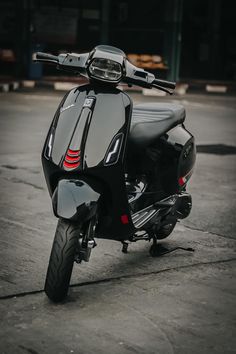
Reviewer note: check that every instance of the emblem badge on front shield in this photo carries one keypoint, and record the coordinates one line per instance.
(88, 102)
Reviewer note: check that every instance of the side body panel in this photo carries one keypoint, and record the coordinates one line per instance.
(178, 158)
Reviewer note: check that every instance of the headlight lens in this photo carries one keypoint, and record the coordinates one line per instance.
(105, 69)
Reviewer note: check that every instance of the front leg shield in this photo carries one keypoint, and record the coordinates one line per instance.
(74, 200)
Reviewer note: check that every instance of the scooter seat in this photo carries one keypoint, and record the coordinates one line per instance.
(151, 120)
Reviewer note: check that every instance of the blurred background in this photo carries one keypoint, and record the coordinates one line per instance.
(182, 40)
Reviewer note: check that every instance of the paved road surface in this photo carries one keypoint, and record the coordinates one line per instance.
(180, 303)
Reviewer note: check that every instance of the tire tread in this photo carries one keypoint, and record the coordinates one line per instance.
(61, 260)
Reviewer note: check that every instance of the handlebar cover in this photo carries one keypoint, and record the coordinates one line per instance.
(163, 83)
(46, 57)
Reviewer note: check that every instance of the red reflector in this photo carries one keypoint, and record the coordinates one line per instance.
(71, 165)
(72, 159)
(73, 152)
(124, 219)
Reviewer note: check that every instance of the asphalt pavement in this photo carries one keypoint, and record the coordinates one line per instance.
(119, 303)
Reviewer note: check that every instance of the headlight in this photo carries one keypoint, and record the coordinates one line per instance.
(105, 69)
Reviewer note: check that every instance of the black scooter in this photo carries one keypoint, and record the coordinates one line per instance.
(113, 171)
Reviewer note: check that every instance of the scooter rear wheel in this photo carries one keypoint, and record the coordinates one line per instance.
(61, 260)
(165, 230)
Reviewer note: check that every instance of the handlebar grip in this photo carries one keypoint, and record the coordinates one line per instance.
(46, 57)
(163, 83)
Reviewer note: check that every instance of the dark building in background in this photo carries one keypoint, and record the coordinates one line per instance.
(178, 39)
(208, 48)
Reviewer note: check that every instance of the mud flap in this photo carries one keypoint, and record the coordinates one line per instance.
(74, 200)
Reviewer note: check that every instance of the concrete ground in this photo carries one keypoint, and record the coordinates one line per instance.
(119, 303)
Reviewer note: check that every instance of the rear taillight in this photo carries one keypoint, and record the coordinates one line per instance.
(184, 179)
(72, 159)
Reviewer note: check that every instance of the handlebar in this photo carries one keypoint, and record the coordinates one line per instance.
(145, 79)
(40, 56)
(77, 63)
(71, 62)
(164, 83)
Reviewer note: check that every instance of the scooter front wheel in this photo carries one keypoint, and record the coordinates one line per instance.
(61, 260)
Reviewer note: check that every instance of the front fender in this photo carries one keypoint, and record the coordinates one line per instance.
(74, 200)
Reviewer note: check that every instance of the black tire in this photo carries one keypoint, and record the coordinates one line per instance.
(61, 260)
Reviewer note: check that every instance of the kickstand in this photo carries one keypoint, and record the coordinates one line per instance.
(125, 246)
(158, 250)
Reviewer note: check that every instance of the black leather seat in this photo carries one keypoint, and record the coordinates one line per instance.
(151, 120)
